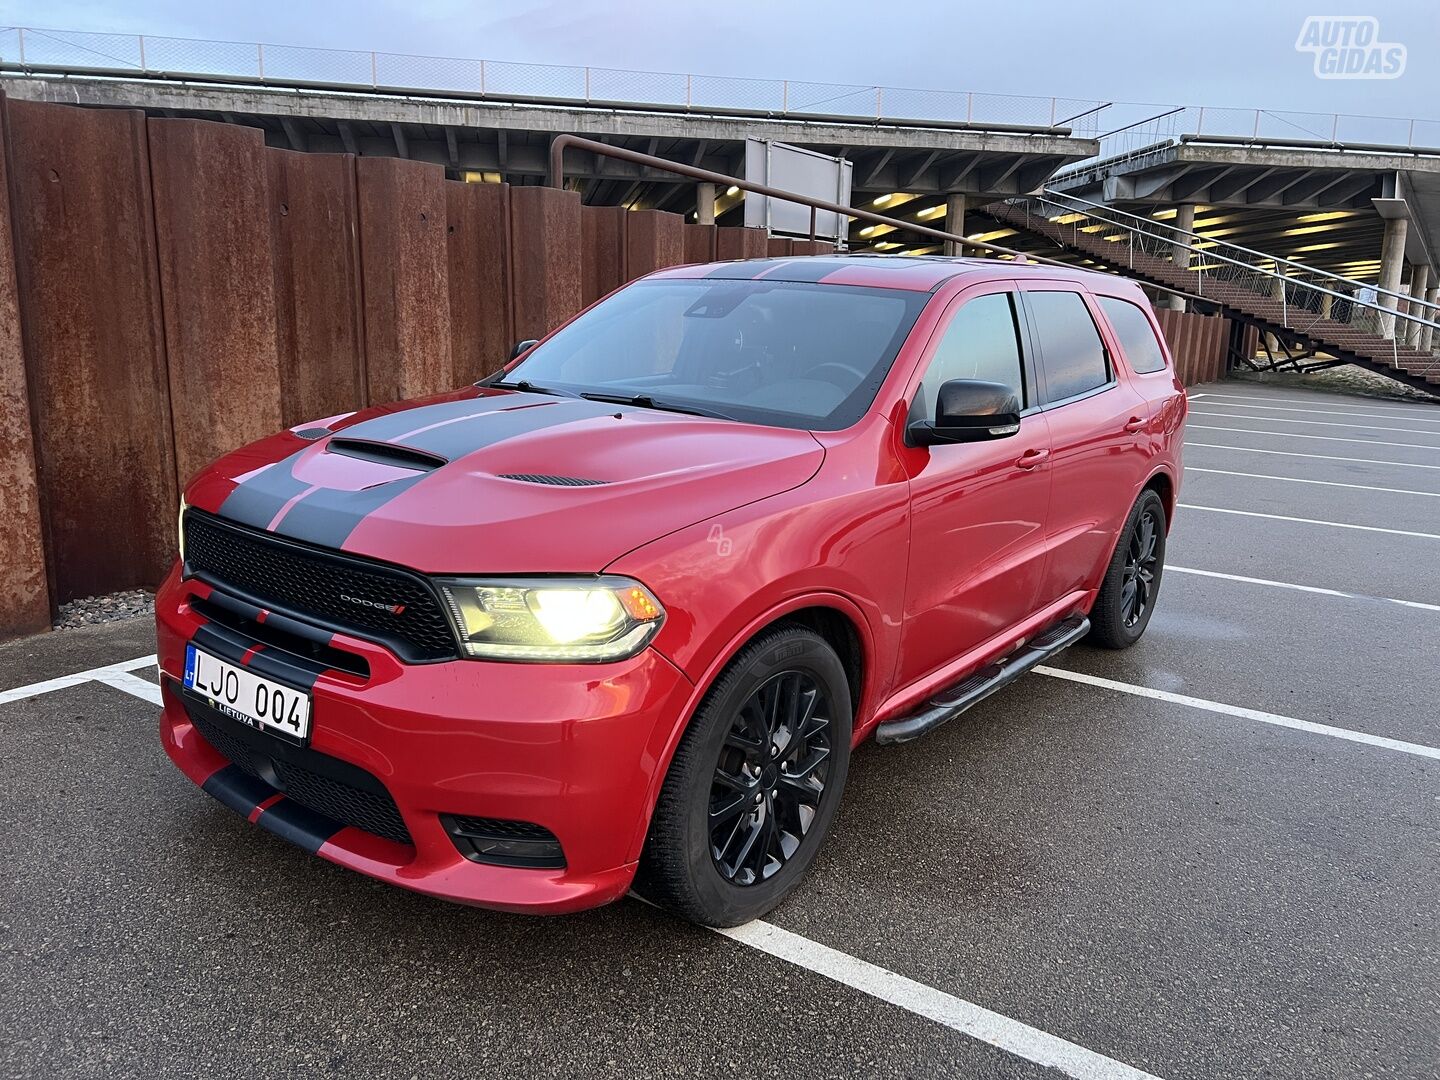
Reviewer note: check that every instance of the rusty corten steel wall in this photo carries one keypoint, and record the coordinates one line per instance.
(404, 257)
(477, 242)
(545, 227)
(1197, 342)
(24, 591)
(654, 240)
(316, 253)
(699, 243)
(95, 352)
(737, 243)
(217, 275)
(602, 250)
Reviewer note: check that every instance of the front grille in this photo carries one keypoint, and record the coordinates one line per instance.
(283, 767)
(309, 583)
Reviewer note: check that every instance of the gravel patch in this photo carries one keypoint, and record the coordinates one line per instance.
(1348, 379)
(102, 609)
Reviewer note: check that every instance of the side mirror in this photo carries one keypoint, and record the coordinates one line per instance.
(523, 347)
(968, 410)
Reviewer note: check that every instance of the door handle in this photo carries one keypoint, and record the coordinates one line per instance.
(1136, 423)
(1032, 458)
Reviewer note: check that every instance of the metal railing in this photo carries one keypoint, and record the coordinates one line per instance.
(1310, 301)
(1122, 128)
(74, 52)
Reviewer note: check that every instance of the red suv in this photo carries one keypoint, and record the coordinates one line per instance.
(619, 614)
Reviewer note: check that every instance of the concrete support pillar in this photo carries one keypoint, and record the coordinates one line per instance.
(1180, 251)
(1326, 301)
(1427, 334)
(1277, 290)
(1392, 264)
(1419, 286)
(705, 204)
(954, 222)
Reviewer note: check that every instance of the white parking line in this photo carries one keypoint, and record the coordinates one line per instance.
(960, 1015)
(131, 684)
(1300, 588)
(1309, 521)
(1327, 412)
(1323, 483)
(1417, 749)
(1315, 423)
(1400, 410)
(100, 674)
(1314, 457)
(1297, 435)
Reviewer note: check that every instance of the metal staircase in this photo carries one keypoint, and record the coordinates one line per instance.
(1307, 318)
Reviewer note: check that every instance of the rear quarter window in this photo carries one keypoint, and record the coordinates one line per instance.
(1137, 336)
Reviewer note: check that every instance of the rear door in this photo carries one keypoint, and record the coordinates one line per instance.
(977, 510)
(1099, 448)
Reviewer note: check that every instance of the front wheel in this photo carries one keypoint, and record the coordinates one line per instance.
(754, 784)
(1132, 581)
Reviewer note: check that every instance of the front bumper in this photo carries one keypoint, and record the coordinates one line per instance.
(573, 748)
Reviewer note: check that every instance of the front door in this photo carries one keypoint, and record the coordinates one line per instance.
(977, 510)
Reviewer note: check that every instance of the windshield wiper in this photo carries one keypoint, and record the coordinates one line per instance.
(529, 387)
(645, 401)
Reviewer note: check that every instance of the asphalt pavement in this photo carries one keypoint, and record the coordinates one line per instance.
(1217, 857)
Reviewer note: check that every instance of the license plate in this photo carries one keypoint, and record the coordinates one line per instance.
(244, 696)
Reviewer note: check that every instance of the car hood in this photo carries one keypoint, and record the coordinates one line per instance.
(492, 481)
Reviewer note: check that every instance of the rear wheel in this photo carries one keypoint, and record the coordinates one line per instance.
(754, 783)
(1132, 581)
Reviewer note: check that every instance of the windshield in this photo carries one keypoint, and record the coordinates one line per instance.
(789, 354)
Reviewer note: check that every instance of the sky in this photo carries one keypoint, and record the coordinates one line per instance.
(1233, 53)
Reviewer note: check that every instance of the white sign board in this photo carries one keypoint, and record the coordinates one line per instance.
(804, 172)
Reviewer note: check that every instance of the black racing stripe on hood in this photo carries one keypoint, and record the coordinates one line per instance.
(464, 436)
(392, 426)
(328, 516)
(257, 500)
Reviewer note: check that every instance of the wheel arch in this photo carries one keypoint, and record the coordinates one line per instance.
(834, 617)
(1163, 484)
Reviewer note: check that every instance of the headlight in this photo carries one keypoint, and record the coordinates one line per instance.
(562, 620)
(180, 527)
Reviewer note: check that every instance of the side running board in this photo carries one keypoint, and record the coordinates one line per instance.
(950, 703)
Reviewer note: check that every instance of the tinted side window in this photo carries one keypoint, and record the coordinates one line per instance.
(1136, 336)
(981, 342)
(1070, 346)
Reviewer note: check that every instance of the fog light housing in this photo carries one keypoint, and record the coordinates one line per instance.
(500, 842)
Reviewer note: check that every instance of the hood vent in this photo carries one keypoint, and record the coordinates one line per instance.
(553, 481)
(383, 453)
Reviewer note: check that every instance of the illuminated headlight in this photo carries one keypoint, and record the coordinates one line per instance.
(561, 620)
(180, 527)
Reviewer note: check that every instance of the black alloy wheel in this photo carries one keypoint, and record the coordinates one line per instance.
(770, 778)
(754, 784)
(1142, 563)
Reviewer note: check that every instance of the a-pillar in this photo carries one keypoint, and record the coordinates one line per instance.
(1180, 251)
(1392, 264)
(705, 204)
(955, 223)
(1419, 286)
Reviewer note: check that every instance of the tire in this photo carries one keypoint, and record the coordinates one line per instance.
(1139, 558)
(696, 869)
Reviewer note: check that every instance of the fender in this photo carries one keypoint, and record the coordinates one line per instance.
(664, 743)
